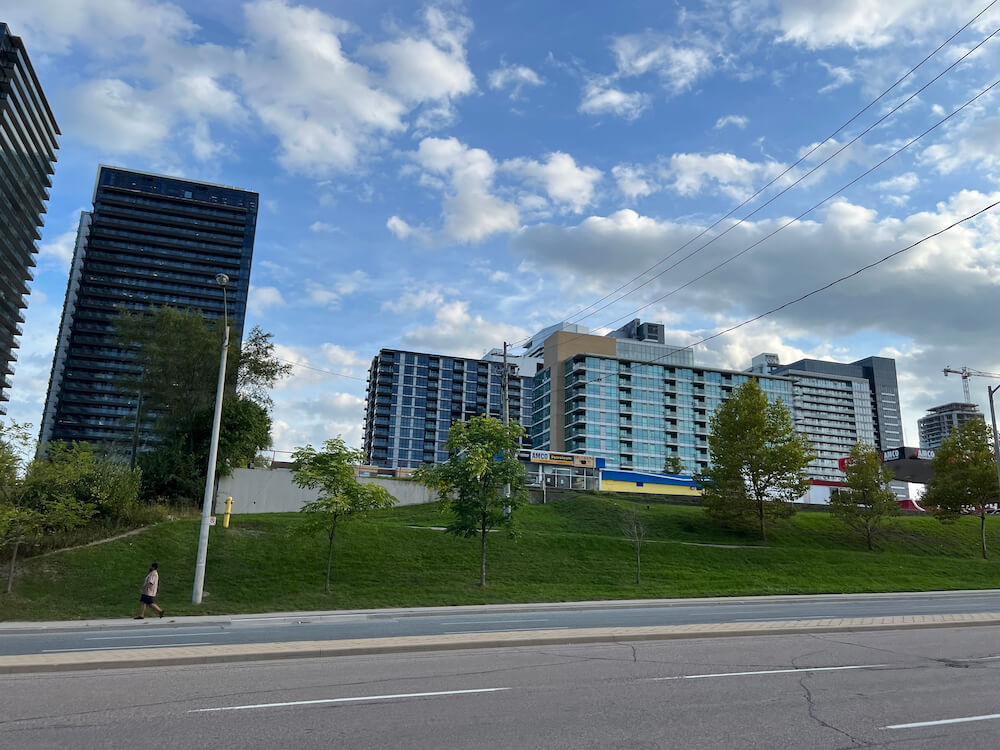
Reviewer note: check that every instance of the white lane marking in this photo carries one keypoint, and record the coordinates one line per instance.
(293, 618)
(769, 671)
(939, 722)
(158, 635)
(122, 648)
(348, 700)
(502, 630)
(487, 622)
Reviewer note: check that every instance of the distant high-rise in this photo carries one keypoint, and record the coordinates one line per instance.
(150, 241)
(941, 420)
(28, 143)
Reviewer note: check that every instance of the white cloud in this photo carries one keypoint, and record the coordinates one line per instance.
(839, 76)
(514, 77)
(904, 183)
(113, 115)
(414, 300)
(262, 298)
(567, 184)
(322, 226)
(679, 65)
(600, 98)
(738, 121)
(471, 211)
(329, 293)
(634, 181)
(458, 332)
(972, 140)
(731, 175)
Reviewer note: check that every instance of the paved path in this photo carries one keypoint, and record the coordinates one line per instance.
(30, 647)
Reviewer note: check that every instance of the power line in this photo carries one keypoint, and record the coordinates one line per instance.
(320, 369)
(800, 179)
(812, 208)
(823, 288)
(799, 161)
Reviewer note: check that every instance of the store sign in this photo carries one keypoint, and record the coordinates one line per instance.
(562, 459)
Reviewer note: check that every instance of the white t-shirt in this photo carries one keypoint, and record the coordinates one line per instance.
(151, 583)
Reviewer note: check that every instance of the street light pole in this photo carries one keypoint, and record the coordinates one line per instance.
(996, 436)
(209, 500)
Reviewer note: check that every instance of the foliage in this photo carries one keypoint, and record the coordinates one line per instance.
(635, 531)
(758, 460)
(342, 497)
(472, 482)
(965, 477)
(258, 368)
(673, 465)
(171, 472)
(866, 501)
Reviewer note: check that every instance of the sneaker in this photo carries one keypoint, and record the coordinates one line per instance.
(138, 617)
(161, 613)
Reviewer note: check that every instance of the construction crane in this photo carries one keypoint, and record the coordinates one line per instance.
(966, 373)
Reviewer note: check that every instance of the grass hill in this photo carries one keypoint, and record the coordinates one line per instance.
(571, 549)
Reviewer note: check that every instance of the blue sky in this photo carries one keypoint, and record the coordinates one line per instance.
(445, 176)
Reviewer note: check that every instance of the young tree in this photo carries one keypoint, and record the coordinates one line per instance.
(866, 500)
(342, 496)
(635, 531)
(758, 460)
(471, 483)
(965, 477)
(673, 465)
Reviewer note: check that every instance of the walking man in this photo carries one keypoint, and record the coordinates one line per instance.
(148, 592)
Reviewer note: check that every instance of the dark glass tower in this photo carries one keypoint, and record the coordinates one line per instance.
(28, 144)
(150, 241)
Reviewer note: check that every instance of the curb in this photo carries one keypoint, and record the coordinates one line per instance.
(227, 654)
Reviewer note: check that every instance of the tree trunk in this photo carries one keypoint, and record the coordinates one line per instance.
(13, 561)
(760, 513)
(329, 558)
(982, 532)
(638, 563)
(868, 535)
(482, 553)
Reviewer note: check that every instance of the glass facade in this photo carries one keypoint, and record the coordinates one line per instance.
(413, 398)
(150, 241)
(28, 143)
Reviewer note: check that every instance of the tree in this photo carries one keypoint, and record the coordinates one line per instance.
(635, 531)
(26, 513)
(866, 500)
(965, 477)
(758, 460)
(471, 484)
(342, 496)
(673, 465)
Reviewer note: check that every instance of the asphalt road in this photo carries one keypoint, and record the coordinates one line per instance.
(155, 633)
(912, 688)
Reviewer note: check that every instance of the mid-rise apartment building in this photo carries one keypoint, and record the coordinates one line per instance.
(150, 241)
(28, 143)
(414, 397)
(941, 420)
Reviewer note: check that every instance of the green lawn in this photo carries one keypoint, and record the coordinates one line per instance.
(567, 550)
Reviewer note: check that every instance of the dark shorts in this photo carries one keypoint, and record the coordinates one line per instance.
(145, 598)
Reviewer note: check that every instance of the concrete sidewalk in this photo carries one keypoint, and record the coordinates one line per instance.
(126, 621)
(215, 654)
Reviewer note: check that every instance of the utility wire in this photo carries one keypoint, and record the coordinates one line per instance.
(812, 208)
(823, 288)
(799, 161)
(320, 369)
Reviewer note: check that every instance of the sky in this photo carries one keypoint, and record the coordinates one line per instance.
(443, 177)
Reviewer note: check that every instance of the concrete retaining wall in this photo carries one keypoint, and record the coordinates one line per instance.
(273, 491)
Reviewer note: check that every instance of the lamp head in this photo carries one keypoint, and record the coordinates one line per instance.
(221, 279)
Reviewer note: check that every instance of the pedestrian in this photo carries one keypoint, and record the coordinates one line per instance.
(147, 596)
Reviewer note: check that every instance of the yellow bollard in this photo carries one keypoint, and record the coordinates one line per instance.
(229, 507)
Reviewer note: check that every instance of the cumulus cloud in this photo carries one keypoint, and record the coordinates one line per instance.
(515, 78)
(414, 300)
(601, 97)
(118, 117)
(678, 64)
(634, 180)
(731, 175)
(471, 210)
(322, 226)
(567, 185)
(262, 298)
(969, 141)
(330, 292)
(839, 76)
(458, 332)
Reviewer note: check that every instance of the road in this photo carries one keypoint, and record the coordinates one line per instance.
(154, 633)
(909, 688)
